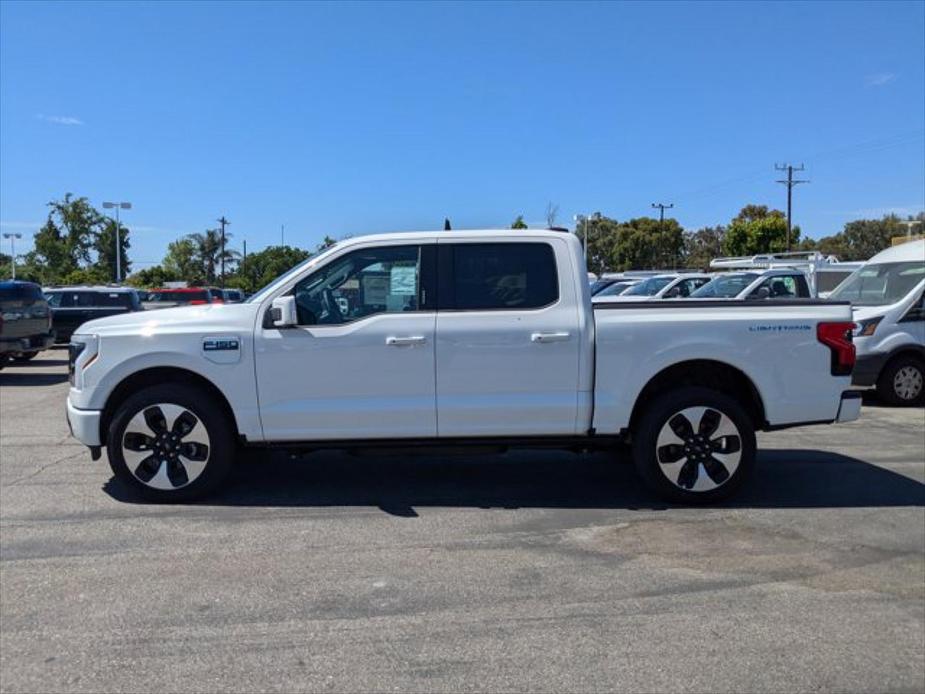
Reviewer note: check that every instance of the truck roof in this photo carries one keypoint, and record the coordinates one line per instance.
(89, 288)
(904, 252)
(459, 233)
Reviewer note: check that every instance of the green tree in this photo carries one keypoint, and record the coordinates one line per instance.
(182, 262)
(864, 238)
(263, 267)
(645, 242)
(757, 230)
(519, 223)
(104, 243)
(209, 253)
(701, 246)
(150, 277)
(73, 238)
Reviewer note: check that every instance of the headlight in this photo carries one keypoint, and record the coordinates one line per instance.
(867, 327)
(81, 352)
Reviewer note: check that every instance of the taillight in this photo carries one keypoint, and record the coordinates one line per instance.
(837, 337)
(198, 302)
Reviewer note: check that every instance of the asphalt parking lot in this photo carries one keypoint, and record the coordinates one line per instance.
(523, 572)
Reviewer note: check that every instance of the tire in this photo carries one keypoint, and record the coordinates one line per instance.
(902, 381)
(23, 357)
(691, 467)
(171, 443)
(4, 360)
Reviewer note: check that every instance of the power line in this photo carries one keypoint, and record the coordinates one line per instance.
(790, 183)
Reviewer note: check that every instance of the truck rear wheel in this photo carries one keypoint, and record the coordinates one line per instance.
(902, 381)
(694, 445)
(170, 443)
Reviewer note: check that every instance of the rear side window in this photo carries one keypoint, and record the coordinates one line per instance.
(498, 276)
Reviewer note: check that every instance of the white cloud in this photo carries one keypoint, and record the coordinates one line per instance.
(60, 120)
(880, 79)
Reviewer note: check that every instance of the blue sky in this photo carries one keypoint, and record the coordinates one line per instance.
(355, 118)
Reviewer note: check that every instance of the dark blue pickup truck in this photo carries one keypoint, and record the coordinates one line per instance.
(71, 307)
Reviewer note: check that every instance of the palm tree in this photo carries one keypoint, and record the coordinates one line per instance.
(209, 252)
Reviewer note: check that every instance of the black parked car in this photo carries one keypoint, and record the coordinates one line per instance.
(71, 307)
(25, 321)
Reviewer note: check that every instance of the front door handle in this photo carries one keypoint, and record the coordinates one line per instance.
(549, 337)
(402, 341)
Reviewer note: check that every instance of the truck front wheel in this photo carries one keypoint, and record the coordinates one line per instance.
(170, 443)
(694, 445)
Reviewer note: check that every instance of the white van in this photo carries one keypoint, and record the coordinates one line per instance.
(886, 297)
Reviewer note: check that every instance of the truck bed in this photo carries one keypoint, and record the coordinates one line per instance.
(635, 340)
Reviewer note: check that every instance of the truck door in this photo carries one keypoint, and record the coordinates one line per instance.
(360, 363)
(507, 338)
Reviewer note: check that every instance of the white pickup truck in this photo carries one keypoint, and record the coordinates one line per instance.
(461, 340)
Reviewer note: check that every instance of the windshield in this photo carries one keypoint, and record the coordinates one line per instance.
(282, 279)
(725, 286)
(880, 284)
(649, 287)
(614, 289)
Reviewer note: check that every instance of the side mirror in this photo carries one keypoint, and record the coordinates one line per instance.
(283, 312)
(673, 293)
(760, 293)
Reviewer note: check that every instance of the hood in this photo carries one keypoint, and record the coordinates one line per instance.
(204, 318)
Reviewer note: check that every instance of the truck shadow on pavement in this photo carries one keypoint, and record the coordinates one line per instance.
(530, 479)
(21, 375)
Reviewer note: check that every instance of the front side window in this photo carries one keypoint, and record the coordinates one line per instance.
(493, 276)
(360, 284)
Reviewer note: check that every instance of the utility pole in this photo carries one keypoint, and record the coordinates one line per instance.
(244, 262)
(661, 207)
(790, 183)
(12, 236)
(282, 234)
(224, 222)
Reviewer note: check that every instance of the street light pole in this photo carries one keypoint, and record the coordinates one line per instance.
(118, 206)
(12, 236)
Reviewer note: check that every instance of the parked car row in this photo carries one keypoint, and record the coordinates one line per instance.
(886, 294)
(33, 318)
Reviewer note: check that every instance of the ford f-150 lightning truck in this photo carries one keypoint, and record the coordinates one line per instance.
(457, 339)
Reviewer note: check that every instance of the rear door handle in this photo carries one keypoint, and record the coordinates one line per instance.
(549, 337)
(409, 340)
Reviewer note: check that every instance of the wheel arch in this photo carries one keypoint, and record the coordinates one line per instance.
(706, 373)
(159, 375)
